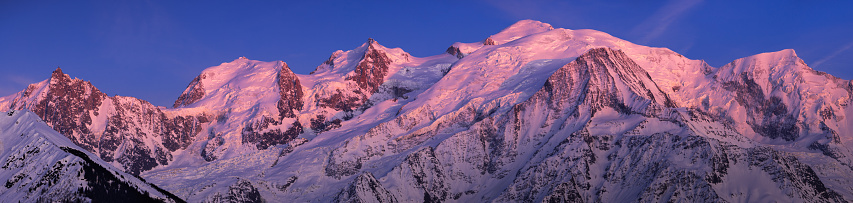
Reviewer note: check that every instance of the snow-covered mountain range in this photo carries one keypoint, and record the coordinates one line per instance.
(530, 114)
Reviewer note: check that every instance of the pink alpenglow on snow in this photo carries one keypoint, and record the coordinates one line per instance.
(530, 114)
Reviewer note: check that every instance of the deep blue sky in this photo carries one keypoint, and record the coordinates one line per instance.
(152, 49)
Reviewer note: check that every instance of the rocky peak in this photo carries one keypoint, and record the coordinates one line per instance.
(61, 85)
(368, 74)
(455, 51)
(290, 91)
(74, 108)
(59, 76)
(489, 41)
(614, 80)
(369, 51)
(371, 70)
(372, 45)
(193, 93)
(57, 72)
(68, 104)
(369, 45)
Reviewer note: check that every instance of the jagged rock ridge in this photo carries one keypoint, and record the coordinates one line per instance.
(124, 130)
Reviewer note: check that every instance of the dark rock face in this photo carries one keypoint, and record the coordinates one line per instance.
(137, 158)
(795, 174)
(319, 124)
(399, 92)
(211, 145)
(340, 168)
(262, 140)
(429, 175)
(371, 71)
(489, 41)
(641, 162)
(365, 188)
(179, 131)
(331, 60)
(290, 91)
(194, 92)
(452, 50)
(565, 192)
(287, 184)
(341, 102)
(242, 191)
(767, 117)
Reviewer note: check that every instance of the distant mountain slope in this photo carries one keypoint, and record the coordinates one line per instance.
(41, 165)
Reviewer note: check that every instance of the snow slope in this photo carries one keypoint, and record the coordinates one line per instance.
(41, 165)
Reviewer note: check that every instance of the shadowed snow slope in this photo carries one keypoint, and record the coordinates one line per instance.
(41, 165)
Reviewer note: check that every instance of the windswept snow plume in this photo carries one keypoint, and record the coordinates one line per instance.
(530, 114)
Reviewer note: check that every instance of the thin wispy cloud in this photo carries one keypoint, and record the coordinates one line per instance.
(19, 80)
(13, 83)
(656, 24)
(833, 55)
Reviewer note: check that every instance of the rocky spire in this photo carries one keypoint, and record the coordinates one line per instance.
(290, 91)
(58, 75)
(193, 93)
(371, 71)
